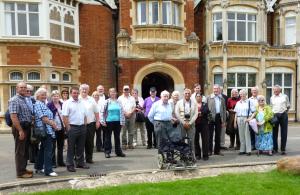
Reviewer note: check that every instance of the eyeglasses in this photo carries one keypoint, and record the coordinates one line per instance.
(261, 100)
(29, 90)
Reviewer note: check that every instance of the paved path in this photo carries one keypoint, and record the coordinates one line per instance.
(137, 159)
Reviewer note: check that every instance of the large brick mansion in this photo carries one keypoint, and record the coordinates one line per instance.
(170, 44)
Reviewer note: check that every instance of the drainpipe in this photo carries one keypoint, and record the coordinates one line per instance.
(296, 101)
(115, 55)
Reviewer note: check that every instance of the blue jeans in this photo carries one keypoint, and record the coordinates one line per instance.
(45, 155)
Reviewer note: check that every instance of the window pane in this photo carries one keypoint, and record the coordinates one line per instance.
(268, 95)
(218, 31)
(66, 77)
(251, 17)
(278, 79)
(288, 92)
(9, 6)
(13, 91)
(55, 31)
(34, 76)
(231, 79)
(290, 30)
(217, 16)
(17, 76)
(269, 80)
(287, 80)
(155, 13)
(251, 31)
(69, 34)
(69, 19)
(231, 30)
(10, 24)
(142, 13)
(22, 24)
(251, 80)
(241, 31)
(166, 9)
(231, 16)
(241, 16)
(34, 24)
(175, 14)
(54, 14)
(21, 7)
(218, 79)
(33, 7)
(241, 80)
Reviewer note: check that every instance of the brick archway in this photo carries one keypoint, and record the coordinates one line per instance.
(161, 67)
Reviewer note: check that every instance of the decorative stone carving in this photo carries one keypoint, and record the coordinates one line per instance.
(123, 33)
(208, 6)
(261, 5)
(192, 37)
(224, 47)
(270, 4)
(224, 3)
(289, 164)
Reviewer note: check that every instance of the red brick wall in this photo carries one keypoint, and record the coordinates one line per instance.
(189, 22)
(124, 15)
(188, 68)
(61, 57)
(23, 55)
(96, 40)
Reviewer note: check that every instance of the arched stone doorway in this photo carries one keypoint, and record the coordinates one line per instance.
(159, 80)
(169, 77)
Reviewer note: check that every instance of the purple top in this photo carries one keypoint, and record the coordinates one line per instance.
(148, 104)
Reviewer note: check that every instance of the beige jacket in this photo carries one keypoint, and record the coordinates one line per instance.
(212, 107)
(179, 111)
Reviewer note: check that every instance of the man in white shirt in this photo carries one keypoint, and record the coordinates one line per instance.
(75, 118)
(100, 131)
(128, 105)
(186, 111)
(280, 106)
(254, 101)
(93, 121)
(197, 89)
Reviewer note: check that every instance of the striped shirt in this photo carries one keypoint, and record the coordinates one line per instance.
(242, 108)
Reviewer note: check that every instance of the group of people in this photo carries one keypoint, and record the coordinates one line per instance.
(73, 119)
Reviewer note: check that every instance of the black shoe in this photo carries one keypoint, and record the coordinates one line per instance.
(219, 153)
(253, 148)
(275, 151)
(205, 158)
(121, 155)
(90, 161)
(54, 166)
(83, 166)
(231, 146)
(107, 155)
(149, 147)
(71, 169)
(198, 157)
(223, 148)
(242, 153)
(249, 154)
(100, 150)
(61, 164)
(283, 153)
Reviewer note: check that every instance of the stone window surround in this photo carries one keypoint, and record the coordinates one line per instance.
(44, 28)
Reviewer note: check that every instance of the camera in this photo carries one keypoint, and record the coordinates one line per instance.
(187, 116)
(137, 104)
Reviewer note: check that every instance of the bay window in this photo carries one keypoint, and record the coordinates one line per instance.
(217, 27)
(21, 19)
(241, 26)
(290, 30)
(158, 12)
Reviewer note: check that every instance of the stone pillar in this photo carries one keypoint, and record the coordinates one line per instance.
(281, 27)
(298, 25)
(208, 23)
(123, 43)
(225, 67)
(298, 84)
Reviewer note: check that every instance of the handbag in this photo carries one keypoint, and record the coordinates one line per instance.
(274, 121)
(33, 138)
(140, 117)
(39, 133)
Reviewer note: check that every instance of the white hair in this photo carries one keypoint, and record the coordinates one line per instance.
(99, 86)
(39, 92)
(234, 90)
(164, 92)
(277, 86)
(84, 86)
(29, 87)
(260, 97)
(175, 93)
(255, 88)
(243, 91)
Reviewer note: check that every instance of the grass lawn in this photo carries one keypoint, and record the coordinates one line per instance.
(248, 183)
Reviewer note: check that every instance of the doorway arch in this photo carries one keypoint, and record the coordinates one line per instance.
(160, 68)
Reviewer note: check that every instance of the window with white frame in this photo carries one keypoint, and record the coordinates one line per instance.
(241, 81)
(277, 31)
(67, 77)
(153, 12)
(62, 23)
(33, 76)
(54, 87)
(13, 91)
(54, 76)
(21, 19)
(241, 26)
(290, 30)
(217, 27)
(158, 12)
(15, 76)
(282, 79)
